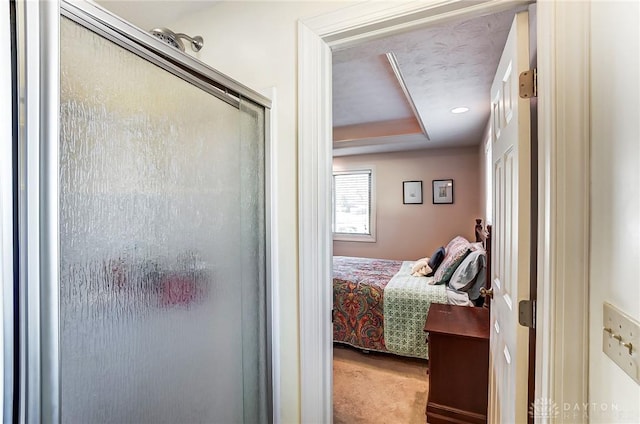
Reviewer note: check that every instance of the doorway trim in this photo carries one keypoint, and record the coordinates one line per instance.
(563, 185)
(562, 323)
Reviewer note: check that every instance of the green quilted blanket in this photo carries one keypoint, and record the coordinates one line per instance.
(406, 303)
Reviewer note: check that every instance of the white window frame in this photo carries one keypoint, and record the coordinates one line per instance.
(366, 238)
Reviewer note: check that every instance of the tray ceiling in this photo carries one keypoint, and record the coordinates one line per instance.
(444, 66)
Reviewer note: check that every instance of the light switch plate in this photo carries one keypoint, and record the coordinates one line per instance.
(621, 340)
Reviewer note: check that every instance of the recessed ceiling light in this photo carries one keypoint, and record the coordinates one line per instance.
(460, 110)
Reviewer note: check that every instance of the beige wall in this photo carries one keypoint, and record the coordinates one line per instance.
(409, 232)
(615, 198)
(256, 44)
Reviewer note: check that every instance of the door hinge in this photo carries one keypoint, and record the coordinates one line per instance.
(527, 313)
(528, 83)
(333, 314)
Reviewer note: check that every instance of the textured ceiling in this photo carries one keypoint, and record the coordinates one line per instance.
(444, 66)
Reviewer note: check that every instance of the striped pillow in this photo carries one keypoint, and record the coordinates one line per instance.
(456, 251)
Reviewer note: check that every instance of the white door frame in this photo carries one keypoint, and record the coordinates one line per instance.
(563, 205)
(563, 169)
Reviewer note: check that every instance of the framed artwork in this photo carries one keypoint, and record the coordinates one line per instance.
(442, 191)
(412, 192)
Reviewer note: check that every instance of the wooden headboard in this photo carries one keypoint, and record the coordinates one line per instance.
(483, 235)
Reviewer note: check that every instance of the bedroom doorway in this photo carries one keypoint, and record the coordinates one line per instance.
(560, 91)
(358, 151)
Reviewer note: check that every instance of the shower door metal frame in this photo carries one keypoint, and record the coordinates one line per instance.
(38, 70)
(38, 106)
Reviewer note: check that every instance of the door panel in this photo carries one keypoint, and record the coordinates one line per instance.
(510, 282)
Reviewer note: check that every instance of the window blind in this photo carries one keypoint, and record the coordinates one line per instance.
(352, 202)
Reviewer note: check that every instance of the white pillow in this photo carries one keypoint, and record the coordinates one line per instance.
(470, 276)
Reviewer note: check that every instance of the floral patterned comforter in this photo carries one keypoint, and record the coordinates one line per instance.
(358, 300)
(378, 305)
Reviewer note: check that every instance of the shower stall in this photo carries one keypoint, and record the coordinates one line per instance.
(135, 262)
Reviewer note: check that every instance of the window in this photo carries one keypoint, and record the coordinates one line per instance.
(354, 205)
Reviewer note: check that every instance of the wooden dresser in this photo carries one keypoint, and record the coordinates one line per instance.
(458, 338)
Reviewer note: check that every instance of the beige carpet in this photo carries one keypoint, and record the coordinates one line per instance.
(376, 388)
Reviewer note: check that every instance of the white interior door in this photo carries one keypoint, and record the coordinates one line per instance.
(512, 188)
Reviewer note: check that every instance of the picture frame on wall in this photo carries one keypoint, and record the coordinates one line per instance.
(442, 191)
(412, 192)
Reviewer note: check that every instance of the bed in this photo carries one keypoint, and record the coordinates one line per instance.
(378, 305)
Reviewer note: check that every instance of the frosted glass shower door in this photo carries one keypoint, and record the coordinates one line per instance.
(162, 241)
